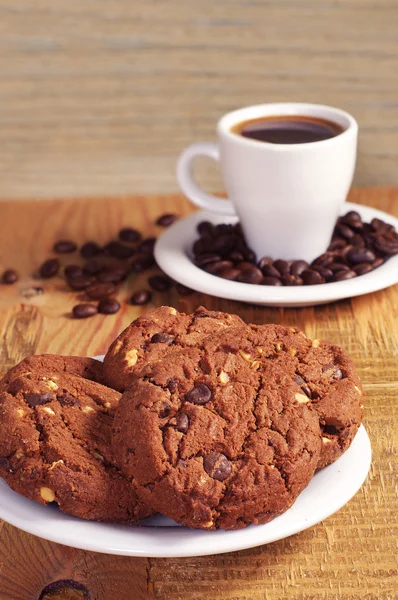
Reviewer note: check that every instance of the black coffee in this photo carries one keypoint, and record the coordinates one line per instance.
(288, 129)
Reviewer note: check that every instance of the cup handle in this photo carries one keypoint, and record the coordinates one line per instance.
(189, 186)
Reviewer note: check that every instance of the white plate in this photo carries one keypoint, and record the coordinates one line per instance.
(328, 491)
(173, 252)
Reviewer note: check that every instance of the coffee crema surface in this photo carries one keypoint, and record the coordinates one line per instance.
(288, 129)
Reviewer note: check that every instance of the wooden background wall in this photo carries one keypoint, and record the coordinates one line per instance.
(100, 96)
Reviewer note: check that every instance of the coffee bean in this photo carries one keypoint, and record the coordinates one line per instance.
(249, 255)
(160, 283)
(183, 290)
(97, 291)
(292, 280)
(298, 266)
(217, 466)
(73, 271)
(162, 338)
(141, 297)
(202, 246)
(389, 247)
(249, 273)
(142, 263)
(357, 240)
(182, 422)
(9, 277)
(108, 306)
(118, 250)
(64, 247)
(34, 399)
(270, 271)
(84, 310)
(343, 275)
(235, 256)
(4, 463)
(225, 243)
(362, 268)
(311, 277)
(112, 274)
(207, 259)
(128, 234)
(332, 371)
(344, 231)
(334, 267)
(283, 266)
(324, 271)
(381, 226)
(147, 245)
(216, 267)
(206, 228)
(66, 399)
(271, 281)
(378, 262)
(166, 220)
(323, 260)
(200, 394)
(344, 251)
(360, 255)
(165, 410)
(90, 249)
(80, 283)
(230, 274)
(93, 267)
(49, 268)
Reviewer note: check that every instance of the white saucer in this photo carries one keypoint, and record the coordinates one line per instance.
(328, 491)
(174, 255)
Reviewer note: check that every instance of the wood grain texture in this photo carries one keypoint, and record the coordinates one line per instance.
(352, 555)
(99, 97)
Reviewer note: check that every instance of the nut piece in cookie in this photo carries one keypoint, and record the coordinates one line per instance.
(155, 334)
(215, 453)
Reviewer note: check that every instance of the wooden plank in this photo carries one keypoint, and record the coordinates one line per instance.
(351, 555)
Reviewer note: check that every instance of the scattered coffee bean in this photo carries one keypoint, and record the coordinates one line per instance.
(67, 400)
(84, 310)
(90, 249)
(9, 277)
(183, 290)
(108, 306)
(182, 422)
(119, 250)
(311, 277)
(217, 466)
(112, 275)
(200, 394)
(93, 267)
(35, 399)
(73, 271)
(128, 234)
(147, 245)
(80, 283)
(271, 281)
(141, 297)
(64, 247)
(166, 220)
(49, 268)
(160, 283)
(162, 338)
(97, 291)
(343, 275)
(142, 263)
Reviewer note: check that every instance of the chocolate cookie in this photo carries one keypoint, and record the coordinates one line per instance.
(324, 372)
(154, 335)
(212, 439)
(55, 446)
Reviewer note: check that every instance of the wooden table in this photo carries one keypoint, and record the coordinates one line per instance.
(353, 554)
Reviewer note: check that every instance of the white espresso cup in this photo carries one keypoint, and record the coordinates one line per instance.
(287, 196)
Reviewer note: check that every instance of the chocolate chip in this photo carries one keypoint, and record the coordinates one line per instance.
(343, 275)
(119, 250)
(360, 255)
(217, 466)
(128, 234)
(200, 394)
(271, 281)
(9, 276)
(97, 291)
(166, 220)
(172, 385)
(182, 422)
(108, 306)
(80, 283)
(160, 283)
(73, 271)
(311, 277)
(304, 386)
(161, 338)
(66, 399)
(49, 268)
(183, 290)
(64, 247)
(84, 310)
(90, 249)
(142, 263)
(141, 297)
(34, 399)
(332, 371)
(4, 463)
(165, 410)
(147, 246)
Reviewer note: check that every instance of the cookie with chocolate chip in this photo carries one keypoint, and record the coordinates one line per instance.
(157, 333)
(55, 430)
(214, 440)
(323, 371)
